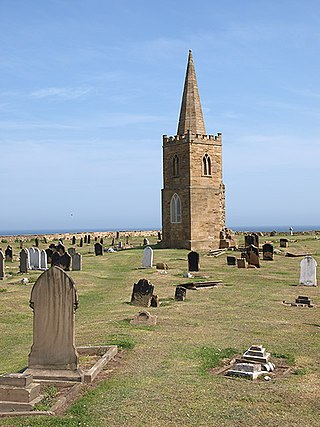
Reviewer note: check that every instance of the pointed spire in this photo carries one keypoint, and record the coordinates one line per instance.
(191, 117)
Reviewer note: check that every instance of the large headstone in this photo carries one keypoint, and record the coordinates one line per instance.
(24, 265)
(142, 293)
(253, 256)
(118, 235)
(54, 301)
(43, 260)
(193, 261)
(147, 257)
(308, 271)
(76, 262)
(267, 250)
(2, 266)
(98, 249)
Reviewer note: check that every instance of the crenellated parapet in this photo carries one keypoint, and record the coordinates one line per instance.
(192, 137)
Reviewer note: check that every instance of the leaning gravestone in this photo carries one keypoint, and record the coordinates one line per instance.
(308, 271)
(98, 249)
(43, 260)
(267, 250)
(24, 255)
(142, 293)
(147, 257)
(54, 301)
(193, 261)
(118, 235)
(101, 240)
(76, 262)
(2, 266)
(146, 242)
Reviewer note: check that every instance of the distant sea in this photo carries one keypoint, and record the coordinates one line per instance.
(266, 228)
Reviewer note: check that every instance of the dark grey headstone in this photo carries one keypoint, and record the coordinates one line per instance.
(180, 293)
(98, 249)
(193, 261)
(142, 293)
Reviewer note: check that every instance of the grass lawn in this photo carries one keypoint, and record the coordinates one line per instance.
(163, 378)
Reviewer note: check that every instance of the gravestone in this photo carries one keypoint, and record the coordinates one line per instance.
(45, 240)
(118, 235)
(144, 318)
(142, 293)
(74, 240)
(161, 266)
(284, 243)
(147, 257)
(71, 251)
(89, 239)
(31, 257)
(255, 238)
(36, 259)
(253, 256)
(43, 260)
(54, 301)
(85, 238)
(241, 263)
(21, 244)
(308, 271)
(145, 242)
(65, 261)
(193, 261)
(98, 249)
(95, 238)
(231, 260)
(267, 250)
(23, 266)
(8, 253)
(36, 242)
(248, 240)
(2, 266)
(101, 241)
(120, 245)
(112, 243)
(81, 242)
(127, 240)
(76, 262)
(180, 294)
(159, 236)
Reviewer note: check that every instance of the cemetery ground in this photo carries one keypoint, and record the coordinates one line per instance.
(163, 375)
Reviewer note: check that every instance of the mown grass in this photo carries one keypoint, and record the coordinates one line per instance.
(160, 379)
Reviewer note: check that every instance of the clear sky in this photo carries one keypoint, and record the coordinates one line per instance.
(88, 88)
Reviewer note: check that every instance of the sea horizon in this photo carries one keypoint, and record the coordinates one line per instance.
(241, 228)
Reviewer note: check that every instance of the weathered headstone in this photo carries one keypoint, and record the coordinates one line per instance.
(36, 259)
(120, 245)
(36, 242)
(118, 235)
(85, 238)
(71, 251)
(76, 262)
(31, 257)
(284, 243)
(74, 240)
(255, 238)
(98, 249)
(308, 271)
(147, 257)
(45, 240)
(267, 250)
(23, 266)
(89, 239)
(193, 261)
(43, 260)
(2, 266)
(161, 266)
(65, 261)
(142, 293)
(81, 242)
(248, 240)
(112, 243)
(159, 235)
(231, 260)
(241, 263)
(8, 254)
(180, 294)
(253, 256)
(101, 241)
(144, 318)
(21, 244)
(54, 301)
(95, 238)
(145, 242)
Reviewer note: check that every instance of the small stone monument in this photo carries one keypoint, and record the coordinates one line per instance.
(142, 293)
(180, 294)
(161, 266)
(53, 353)
(18, 393)
(248, 240)
(76, 262)
(98, 249)
(193, 261)
(2, 266)
(284, 243)
(231, 260)
(144, 318)
(308, 271)
(241, 263)
(256, 353)
(23, 266)
(147, 257)
(267, 250)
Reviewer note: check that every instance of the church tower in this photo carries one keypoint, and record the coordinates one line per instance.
(193, 198)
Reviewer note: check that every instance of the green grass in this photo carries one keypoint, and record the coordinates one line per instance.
(159, 379)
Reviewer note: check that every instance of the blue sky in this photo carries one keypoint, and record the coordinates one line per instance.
(88, 88)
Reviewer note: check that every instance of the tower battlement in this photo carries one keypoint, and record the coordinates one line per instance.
(192, 137)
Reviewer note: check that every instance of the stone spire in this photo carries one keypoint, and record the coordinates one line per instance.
(191, 117)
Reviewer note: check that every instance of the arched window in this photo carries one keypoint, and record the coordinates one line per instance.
(175, 209)
(176, 166)
(206, 165)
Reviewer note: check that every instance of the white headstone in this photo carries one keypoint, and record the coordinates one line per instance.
(31, 257)
(43, 260)
(308, 271)
(147, 257)
(36, 259)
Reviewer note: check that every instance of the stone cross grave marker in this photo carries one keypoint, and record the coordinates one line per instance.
(98, 249)
(147, 258)
(76, 262)
(308, 271)
(2, 266)
(267, 250)
(54, 301)
(193, 261)
(24, 255)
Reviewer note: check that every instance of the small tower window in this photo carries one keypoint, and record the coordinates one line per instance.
(176, 166)
(206, 165)
(175, 209)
